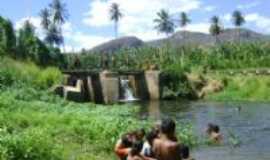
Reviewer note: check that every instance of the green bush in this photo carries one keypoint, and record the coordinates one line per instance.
(28, 73)
(30, 145)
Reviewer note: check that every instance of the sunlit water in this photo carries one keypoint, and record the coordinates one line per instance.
(251, 126)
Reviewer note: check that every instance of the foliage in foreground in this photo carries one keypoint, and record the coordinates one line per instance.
(37, 125)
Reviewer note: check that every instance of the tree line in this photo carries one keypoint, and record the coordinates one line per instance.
(25, 44)
(166, 24)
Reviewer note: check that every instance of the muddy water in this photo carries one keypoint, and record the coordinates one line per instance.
(245, 126)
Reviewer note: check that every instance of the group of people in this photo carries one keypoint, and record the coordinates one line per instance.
(160, 143)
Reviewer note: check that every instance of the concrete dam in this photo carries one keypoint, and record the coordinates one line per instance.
(109, 87)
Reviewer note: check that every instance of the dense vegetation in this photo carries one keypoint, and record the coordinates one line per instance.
(174, 62)
(24, 44)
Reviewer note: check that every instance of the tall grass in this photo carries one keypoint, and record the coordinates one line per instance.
(12, 71)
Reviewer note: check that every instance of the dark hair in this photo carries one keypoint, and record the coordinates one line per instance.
(216, 128)
(126, 141)
(140, 133)
(185, 152)
(136, 148)
(153, 134)
(212, 128)
(168, 126)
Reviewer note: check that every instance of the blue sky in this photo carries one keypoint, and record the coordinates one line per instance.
(88, 24)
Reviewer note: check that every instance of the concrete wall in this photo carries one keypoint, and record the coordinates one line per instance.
(110, 87)
(104, 87)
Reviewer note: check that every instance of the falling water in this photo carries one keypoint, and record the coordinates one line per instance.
(127, 91)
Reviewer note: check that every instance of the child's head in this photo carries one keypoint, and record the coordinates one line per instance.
(185, 152)
(136, 148)
(140, 134)
(212, 128)
(153, 134)
(126, 140)
(216, 128)
(168, 127)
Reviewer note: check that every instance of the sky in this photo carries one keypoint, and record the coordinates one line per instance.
(89, 24)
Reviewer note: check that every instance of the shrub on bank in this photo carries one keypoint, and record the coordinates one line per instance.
(12, 71)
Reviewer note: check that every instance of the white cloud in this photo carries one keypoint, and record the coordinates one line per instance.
(210, 8)
(137, 19)
(248, 5)
(35, 21)
(227, 17)
(81, 40)
(260, 21)
(198, 27)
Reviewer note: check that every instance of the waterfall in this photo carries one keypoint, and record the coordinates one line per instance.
(127, 94)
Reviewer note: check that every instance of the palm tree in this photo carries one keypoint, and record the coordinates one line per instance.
(115, 16)
(184, 21)
(59, 17)
(59, 12)
(54, 36)
(238, 20)
(45, 18)
(215, 28)
(164, 23)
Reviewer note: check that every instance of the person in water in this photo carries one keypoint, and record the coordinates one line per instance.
(214, 134)
(140, 134)
(148, 144)
(123, 145)
(186, 153)
(135, 153)
(166, 146)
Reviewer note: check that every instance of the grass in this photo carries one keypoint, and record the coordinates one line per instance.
(243, 88)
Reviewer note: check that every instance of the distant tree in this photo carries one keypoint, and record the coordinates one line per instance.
(115, 16)
(7, 37)
(215, 28)
(26, 40)
(184, 21)
(59, 17)
(164, 23)
(54, 36)
(45, 19)
(31, 47)
(59, 12)
(238, 20)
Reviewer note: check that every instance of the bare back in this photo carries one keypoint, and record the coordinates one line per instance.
(166, 149)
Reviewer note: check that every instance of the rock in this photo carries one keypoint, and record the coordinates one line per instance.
(213, 86)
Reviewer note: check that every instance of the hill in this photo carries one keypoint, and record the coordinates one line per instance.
(180, 38)
(114, 45)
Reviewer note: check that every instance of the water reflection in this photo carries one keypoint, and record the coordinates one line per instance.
(154, 110)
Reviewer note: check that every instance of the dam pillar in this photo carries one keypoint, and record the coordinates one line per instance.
(110, 87)
(153, 84)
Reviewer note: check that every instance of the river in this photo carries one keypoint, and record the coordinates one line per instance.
(249, 122)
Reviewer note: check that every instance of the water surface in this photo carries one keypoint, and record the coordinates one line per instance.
(250, 124)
